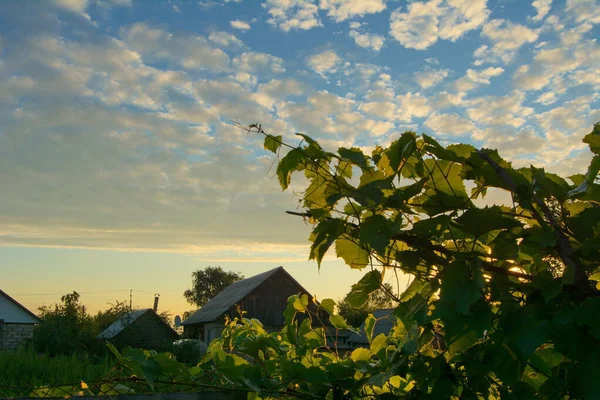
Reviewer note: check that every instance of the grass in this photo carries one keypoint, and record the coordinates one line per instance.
(27, 369)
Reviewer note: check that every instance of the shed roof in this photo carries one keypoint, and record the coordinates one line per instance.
(21, 306)
(122, 323)
(385, 322)
(222, 302)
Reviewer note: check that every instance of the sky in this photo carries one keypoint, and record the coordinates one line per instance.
(120, 166)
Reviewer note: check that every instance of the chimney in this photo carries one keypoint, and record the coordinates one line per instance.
(156, 297)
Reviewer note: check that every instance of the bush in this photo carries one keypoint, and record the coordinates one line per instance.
(189, 351)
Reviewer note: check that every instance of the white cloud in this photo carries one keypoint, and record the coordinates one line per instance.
(224, 39)
(379, 109)
(542, 8)
(473, 78)
(584, 10)
(506, 37)
(341, 10)
(411, 105)
(276, 91)
(566, 124)
(450, 124)
(546, 98)
(325, 62)
(238, 24)
(371, 41)
(355, 24)
(499, 110)
(75, 6)
(190, 52)
(290, 15)
(258, 62)
(425, 23)
(430, 77)
(513, 143)
(551, 66)
(445, 99)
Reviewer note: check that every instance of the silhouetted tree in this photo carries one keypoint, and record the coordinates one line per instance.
(208, 282)
(377, 300)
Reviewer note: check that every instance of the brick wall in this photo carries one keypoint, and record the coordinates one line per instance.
(12, 335)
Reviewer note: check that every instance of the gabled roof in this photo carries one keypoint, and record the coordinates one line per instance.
(21, 306)
(119, 325)
(229, 297)
(385, 322)
(122, 323)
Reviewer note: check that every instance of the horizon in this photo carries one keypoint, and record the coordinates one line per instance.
(122, 167)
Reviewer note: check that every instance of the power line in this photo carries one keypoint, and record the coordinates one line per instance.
(94, 292)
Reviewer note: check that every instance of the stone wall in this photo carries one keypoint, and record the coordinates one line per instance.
(12, 335)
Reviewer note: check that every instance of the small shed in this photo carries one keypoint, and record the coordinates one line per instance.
(142, 328)
(16, 322)
(263, 296)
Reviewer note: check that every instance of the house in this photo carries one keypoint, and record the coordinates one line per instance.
(16, 322)
(142, 328)
(263, 296)
(385, 322)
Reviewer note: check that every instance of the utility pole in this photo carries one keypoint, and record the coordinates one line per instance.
(130, 300)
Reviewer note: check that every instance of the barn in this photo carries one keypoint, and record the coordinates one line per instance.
(16, 322)
(263, 296)
(142, 328)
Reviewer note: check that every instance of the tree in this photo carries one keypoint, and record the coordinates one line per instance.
(209, 282)
(106, 318)
(355, 315)
(66, 328)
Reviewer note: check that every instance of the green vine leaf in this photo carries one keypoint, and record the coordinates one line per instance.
(273, 143)
(355, 256)
(361, 290)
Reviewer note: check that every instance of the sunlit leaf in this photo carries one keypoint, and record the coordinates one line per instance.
(355, 256)
(273, 143)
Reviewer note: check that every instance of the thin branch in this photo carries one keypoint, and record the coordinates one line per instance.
(563, 247)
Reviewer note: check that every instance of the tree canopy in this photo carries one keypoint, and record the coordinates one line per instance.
(209, 282)
(379, 299)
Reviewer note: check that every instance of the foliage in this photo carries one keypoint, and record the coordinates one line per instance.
(208, 283)
(377, 300)
(25, 367)
(106, 318)
(502, 300)
(189, 351)
(66, 328)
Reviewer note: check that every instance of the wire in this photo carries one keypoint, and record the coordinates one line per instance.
(95, 292)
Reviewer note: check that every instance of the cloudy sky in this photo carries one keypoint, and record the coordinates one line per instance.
(119, 165)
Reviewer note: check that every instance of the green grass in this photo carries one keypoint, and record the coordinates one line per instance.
(27, 369)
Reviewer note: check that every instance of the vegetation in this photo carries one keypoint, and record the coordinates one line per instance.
(502, 301)
(27, 368)
(67, 328)
(503, 297)
(209, 282)
(377, 300)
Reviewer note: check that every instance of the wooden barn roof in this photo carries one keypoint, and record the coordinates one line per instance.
(229, 297)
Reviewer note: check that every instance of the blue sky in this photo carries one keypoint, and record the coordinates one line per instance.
(121, 168)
